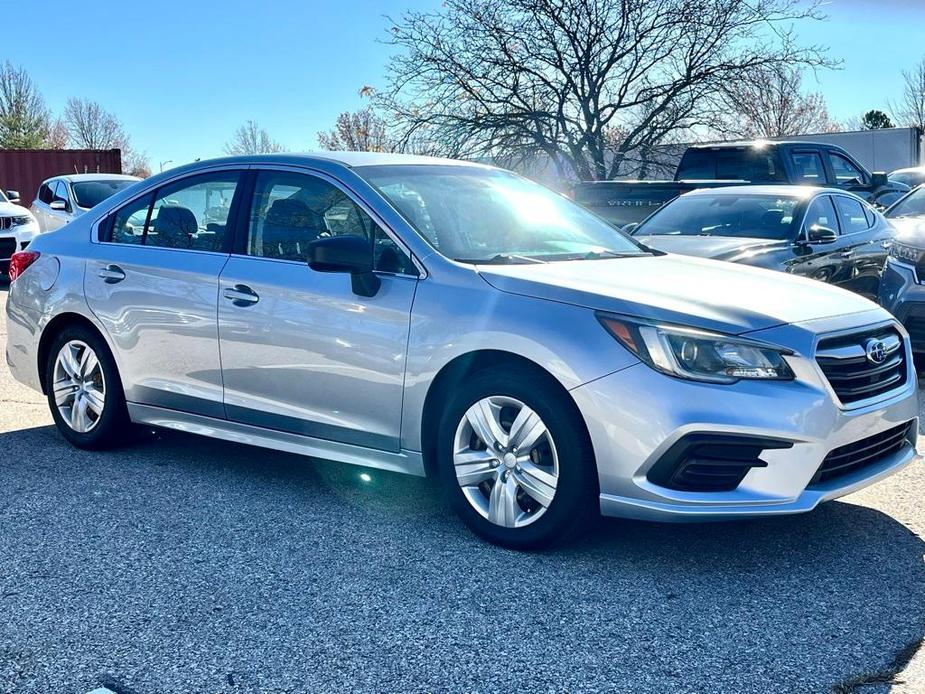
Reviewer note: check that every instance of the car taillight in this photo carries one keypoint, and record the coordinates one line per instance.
(20, 261)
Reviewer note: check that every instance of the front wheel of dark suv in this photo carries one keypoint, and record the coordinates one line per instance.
(84, 390)
(516, 461)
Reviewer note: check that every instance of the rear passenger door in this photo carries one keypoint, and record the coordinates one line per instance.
(153, 283)
(301, 352)
(865, 244)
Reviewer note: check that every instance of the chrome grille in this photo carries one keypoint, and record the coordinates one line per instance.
(856, 376)
(860, 454)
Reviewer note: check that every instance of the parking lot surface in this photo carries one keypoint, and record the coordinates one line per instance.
(186, 564)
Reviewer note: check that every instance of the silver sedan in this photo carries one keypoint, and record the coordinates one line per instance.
(436, 317)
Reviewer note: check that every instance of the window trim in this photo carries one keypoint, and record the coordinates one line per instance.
(239, 246)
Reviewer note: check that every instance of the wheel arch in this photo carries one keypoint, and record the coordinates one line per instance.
(458, 370)
(52, 329)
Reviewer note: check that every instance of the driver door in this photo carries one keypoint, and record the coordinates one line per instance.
(301, 352)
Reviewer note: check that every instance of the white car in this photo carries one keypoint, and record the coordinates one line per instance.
(63, 198)
(17, 228)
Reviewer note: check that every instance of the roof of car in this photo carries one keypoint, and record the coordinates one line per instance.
(778, 190)
(348, 159)
(77, 178)
(910, 169)
(762, 143)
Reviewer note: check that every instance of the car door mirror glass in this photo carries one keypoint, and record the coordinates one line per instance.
(821, 234)
(878, 178)
(348, 254)
(58, 205)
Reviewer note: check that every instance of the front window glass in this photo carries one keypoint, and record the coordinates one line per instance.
(913, 205)
(846, 173)
(89, 194)
(821, 213)
(724, 214)
(474, 214)
(292, 210)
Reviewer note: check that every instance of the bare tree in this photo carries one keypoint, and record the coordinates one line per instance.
(136, 163)
(586, 84)
(91, 126)
(910, 111)
(250, 138)
(360, 131)
(770, 102)
(58, 135)
(24, 119)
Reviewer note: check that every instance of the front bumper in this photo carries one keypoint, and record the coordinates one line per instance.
(15, 239)
(635, 416)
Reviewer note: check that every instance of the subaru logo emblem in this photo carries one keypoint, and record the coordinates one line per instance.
(876, 351)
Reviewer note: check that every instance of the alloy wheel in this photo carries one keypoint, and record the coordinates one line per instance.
(79, 386)
(505, 461)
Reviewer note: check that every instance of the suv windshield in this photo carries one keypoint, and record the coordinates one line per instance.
(746, 216)
(88, 194)
(474, 214)
(913, 205)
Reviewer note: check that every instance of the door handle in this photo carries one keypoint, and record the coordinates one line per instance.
(885, 245)
(241, 295)
(847, 254)
(111, 274)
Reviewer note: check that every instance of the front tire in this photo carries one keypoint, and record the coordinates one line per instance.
(515, 459)
(84, 390)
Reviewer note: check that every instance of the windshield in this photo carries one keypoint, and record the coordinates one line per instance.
(913, 205)
(3, 197)
(91, 193)
(745, 216)
(476, 214)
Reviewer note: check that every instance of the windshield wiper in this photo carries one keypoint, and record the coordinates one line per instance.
(502, 259)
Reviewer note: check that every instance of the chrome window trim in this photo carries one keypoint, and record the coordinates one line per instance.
(356, 199)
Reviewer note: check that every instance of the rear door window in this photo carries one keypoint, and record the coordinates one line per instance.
(808, 168)
(193, 213)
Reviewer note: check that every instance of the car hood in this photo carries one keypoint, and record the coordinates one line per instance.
(709, 246)
(8, 209)
(909, 230)
(708, 294)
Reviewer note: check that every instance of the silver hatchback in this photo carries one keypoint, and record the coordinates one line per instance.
(431, 316)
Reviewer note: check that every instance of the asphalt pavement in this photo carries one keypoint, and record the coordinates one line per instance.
(182, 564)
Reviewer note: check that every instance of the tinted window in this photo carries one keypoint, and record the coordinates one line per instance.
(128, 225)
(821, 213)
(60, 191)
(747, 216)
(846, 173)
(807, 167)
(193, 213)
(292, 210)
(913, 205)
(697, 165)
(851, 214)
(752, 164)
(45, 194)
(91, 193)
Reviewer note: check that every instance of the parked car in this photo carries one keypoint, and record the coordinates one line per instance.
(17, 228)
(822, 233)
(430, 316)
(64, 198)
(737, 163)
(911, 177)
(901, 291)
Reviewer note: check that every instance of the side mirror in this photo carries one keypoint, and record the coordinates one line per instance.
(821, 234)
(13, 196)
(878, 179)
(348, 254)
(58, 205)
(629, 228)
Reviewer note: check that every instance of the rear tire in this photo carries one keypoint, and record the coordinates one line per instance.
(84, 390)
(534, 482)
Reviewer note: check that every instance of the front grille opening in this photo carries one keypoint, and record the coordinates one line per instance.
(711, 462)
(861, 454)
(852, 375)
(7, 248)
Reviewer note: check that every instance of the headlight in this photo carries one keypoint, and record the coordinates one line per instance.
(22, 220)
(698, 355)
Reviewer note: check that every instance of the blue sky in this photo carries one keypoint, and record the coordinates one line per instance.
(182, 75)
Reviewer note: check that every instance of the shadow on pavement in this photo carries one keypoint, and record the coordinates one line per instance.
(182, 562)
